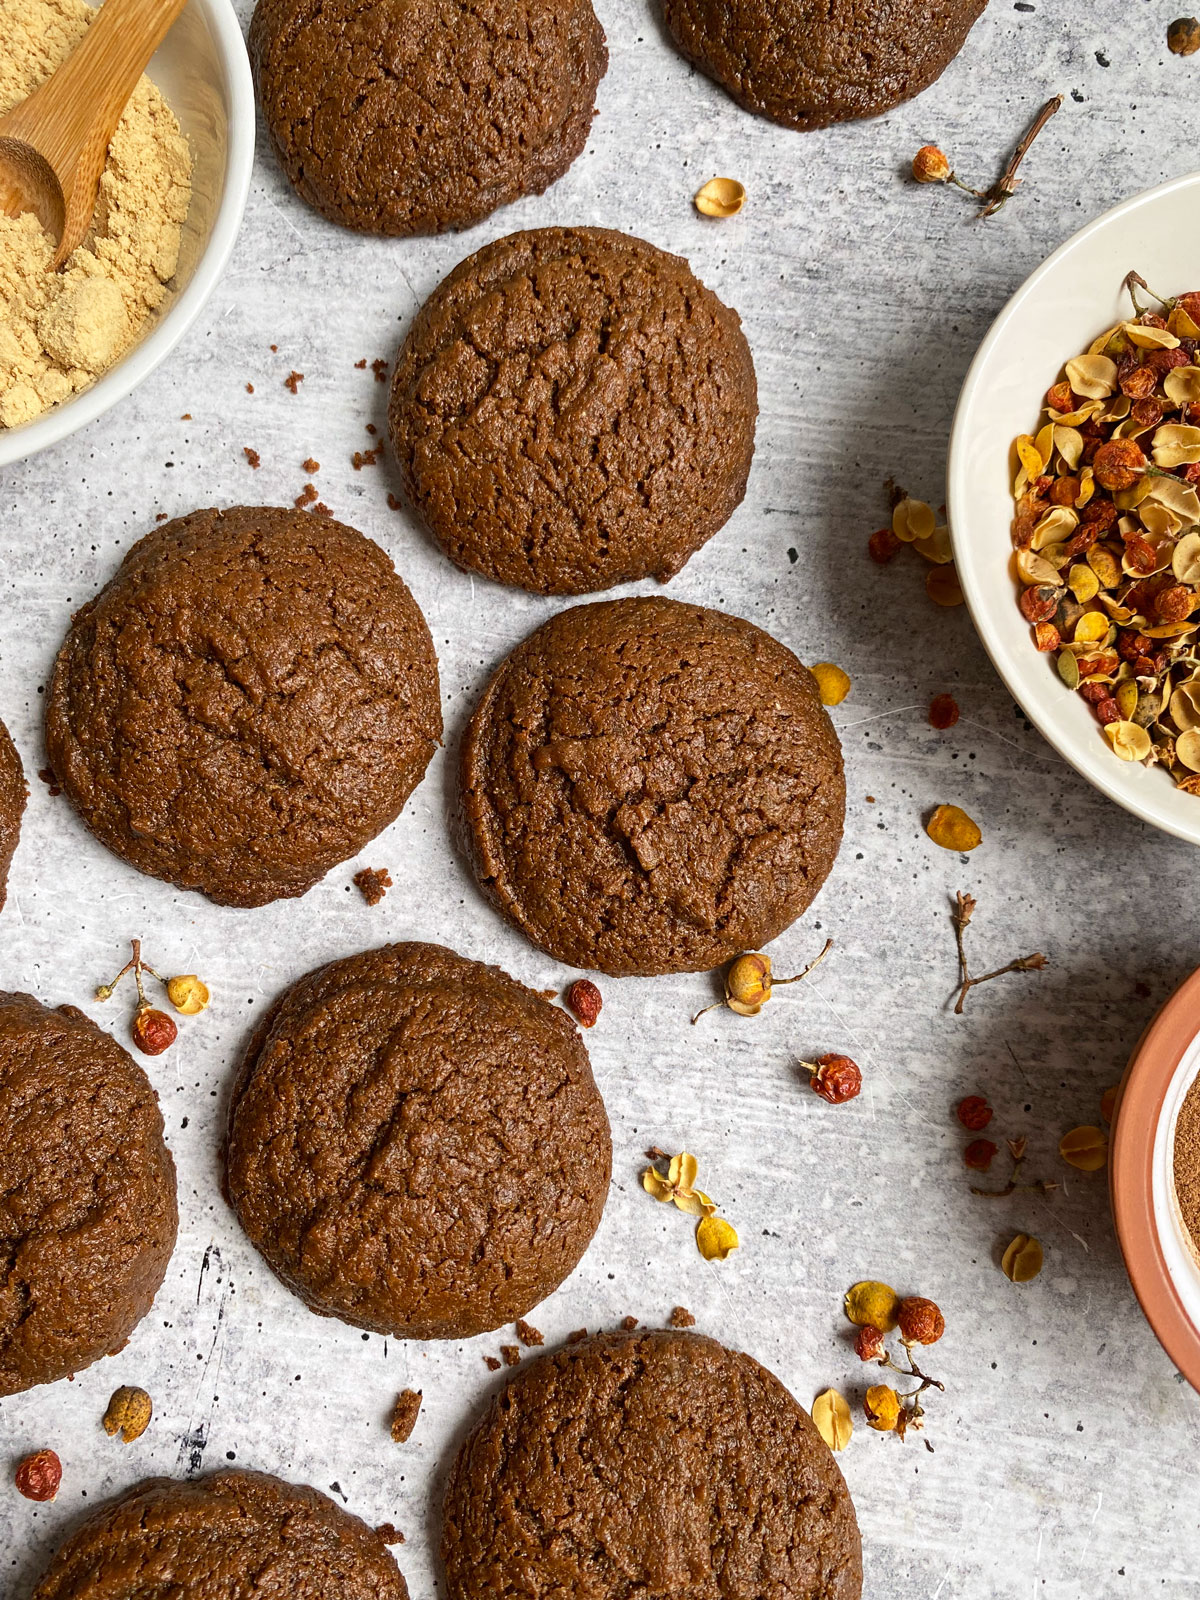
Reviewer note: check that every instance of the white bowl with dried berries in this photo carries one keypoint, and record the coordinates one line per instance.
(1076, 551)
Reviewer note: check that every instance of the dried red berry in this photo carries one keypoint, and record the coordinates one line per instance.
(1107, 710)
(1046, 636)
(943, 711)
(980, 1154)
(585, 1001)
(1174, 604)
(39, 1475)
(1060, 398)
(153, 1031)
(974, 1112)
(1139, 382)
(836, 1079)
(868, 1344)
(921, 1322)
(1093, 693)
(1064, 491)
(882, 546)
(1147, 413)
(1039, 603)
(1119, 464)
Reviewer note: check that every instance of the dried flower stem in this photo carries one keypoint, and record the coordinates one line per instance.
(963, 912)
(1007, 183)
(137, 966)
(1016, 1149)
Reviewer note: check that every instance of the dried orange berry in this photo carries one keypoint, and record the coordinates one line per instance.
(872, 1304)
(980, 1154)
(187, 994)
(930, 165)
(943, 711)
(833, 685)
(1118, 464)
(952, 829)
(129, 1413)
(585, 1000)
(881, 1406)
(974, 1113)
(1085, 1148)
(921, 1322)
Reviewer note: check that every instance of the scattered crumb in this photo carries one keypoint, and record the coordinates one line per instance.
(404, 1417)
(629, 1323)
(380, 369)
(310, 466)
(160, 516)
(389, 1533)
(249, 388)
(574, 1338)
(274, 349)
(293, 381)
(372, 429)
(870, 799)
(491, 1363)
(393, 503)
(373, 883)
(364, 458)
(359, 365)
(49, 780)
(306, 496)
(528, 1334)
(252, 456)
(511, 1354)
(655, 1154)
(321, 509)
(185, 416)
(681, 1317)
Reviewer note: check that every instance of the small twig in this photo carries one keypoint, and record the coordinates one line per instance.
(1016, 1149)
(779, 983)
(1007, 183)
(963, 912)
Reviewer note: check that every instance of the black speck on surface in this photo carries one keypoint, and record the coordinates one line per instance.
(1103, 59)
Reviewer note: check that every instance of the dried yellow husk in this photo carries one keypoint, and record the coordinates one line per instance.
(1033, 568)
(1094, 376)
(1069, 444)
(720, 197)
(936, 548)
(1087, 488)
(1072, 419)
(1149, 338)
(872, 1304)
(1129, 741)
(1085, 1148)
(1159, 520)
(1091, 628)
(1176, 445)
(1181, 324)
(1182, 385)
(1187, 749)
(1185, 561)
(715, 1238)
(1098, 344)
(1083, 582)
(1185, 706)
(1023, 1259)
(831, 1418)
(1172, 630)
(1057, 524)
(913, 519)
(1068, 669)
(1105, 565)
(1181, 497)
(1126, 695)
(1130, 499)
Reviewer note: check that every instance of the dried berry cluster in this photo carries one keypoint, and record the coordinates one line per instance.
(715, 1237)
(1107, 536)
(913, 523)
(877, 1310)
(153, 1030)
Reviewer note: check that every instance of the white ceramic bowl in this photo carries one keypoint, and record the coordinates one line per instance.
(1056, 313)
(202, 70)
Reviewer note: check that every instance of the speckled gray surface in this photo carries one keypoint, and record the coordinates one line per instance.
(1065, 1442)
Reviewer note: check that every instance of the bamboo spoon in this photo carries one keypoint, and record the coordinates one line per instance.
(53, 146)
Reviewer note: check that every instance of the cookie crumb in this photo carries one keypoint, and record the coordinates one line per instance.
(574, 1338)
(185, 416)
(311, 465)
(681, 1317)
(380, 369)
(321, 509)
(629, 1323)
(389, 1533)
(373, 883)
(274, 349)
(528, 1334)
(364, 458)
(359, 365)
(371, 428)
(252, 456)
(49, 780)
(393, 503)
(249, 388)
(511, 1354)
(306, 497)
(404, 1417)
(491, 1363)
(160, 516)
(293, 381)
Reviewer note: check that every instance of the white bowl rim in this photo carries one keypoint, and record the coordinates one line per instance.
(16, 444)
(1103, 770)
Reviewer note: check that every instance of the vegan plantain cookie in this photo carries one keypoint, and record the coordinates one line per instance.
(651, 787)
(648, 1464)
(808, 63)
(87, 1202)
(573, 408)
(223, 1537)
(416, 1143)
(415, 116)
(251, 699)
(13, 794)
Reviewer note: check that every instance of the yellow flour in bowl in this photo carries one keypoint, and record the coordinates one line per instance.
(60, 331)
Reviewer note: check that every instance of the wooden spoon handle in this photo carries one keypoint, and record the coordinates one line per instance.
(73, 115)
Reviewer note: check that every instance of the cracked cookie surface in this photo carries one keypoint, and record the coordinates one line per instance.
(571, 409)
(651, 787)
(251, 699)
(13, 794)
(809, 63)
(418, 116)
(87, 1194)
(416, 1143)
(648, 1464)
(222, 1537)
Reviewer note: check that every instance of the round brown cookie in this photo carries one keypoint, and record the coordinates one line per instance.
(651, 787)
(222, 1537)
(13, 794)
(648, 1464)
(807, 63)
(573, 408)
(415, 116)
(87, 1201)
(251, 699)
(416, 1143)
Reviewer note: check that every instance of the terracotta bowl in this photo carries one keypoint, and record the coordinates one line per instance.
(1164, 1270)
